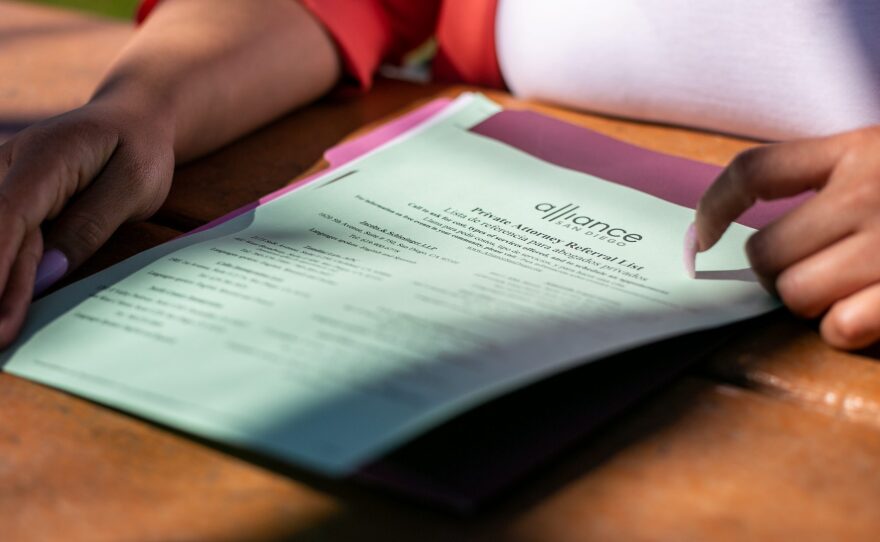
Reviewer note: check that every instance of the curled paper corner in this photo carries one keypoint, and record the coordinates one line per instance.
(690, 251)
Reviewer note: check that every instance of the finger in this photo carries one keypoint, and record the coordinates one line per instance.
(5, 155)
(769, 172)
(854, 322)
(16, 298)
(46, 165)
(805, 230)
(118, 195)
(13, 227)
(53, 266)
(812, 285)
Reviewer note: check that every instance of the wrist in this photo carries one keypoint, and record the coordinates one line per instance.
(144, 106)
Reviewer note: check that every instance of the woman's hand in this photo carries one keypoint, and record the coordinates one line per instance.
(822, 258)
(87, 171)
(196, 75)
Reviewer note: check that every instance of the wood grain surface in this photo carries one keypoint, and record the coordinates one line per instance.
(50, 61)
(775, 436)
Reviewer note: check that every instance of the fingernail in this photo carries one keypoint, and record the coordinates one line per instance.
(691, 245)
(52, 267)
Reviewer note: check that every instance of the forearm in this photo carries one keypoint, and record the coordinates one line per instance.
(214, 70)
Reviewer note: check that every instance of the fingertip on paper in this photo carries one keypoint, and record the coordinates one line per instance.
(52, 267)
(691, 247)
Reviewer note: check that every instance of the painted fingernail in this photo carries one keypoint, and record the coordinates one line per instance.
(690, 251)
(52, 267)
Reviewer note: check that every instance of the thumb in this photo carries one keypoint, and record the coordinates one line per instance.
(123, 192)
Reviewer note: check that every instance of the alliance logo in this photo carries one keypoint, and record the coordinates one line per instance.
(567, 216)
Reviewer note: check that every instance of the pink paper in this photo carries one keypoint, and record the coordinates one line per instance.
(349, 150)
(674, 179)
(344, 153)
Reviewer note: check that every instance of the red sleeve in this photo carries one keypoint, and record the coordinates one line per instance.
(369, 32)
(144, 9)
(366, 32)
(466, 43)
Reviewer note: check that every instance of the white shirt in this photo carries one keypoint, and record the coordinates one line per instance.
(772, 69)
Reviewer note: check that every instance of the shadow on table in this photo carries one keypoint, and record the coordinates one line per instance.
(743, 275)
(505, 457)
(498, 454)
(872, 351)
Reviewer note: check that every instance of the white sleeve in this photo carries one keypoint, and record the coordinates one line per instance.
(768, 69)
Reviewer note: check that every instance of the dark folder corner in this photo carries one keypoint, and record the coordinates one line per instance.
(474, 459)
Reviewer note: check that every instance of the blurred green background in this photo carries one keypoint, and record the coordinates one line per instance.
(123, 9)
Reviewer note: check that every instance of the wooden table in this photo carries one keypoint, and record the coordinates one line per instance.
(774, 436)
